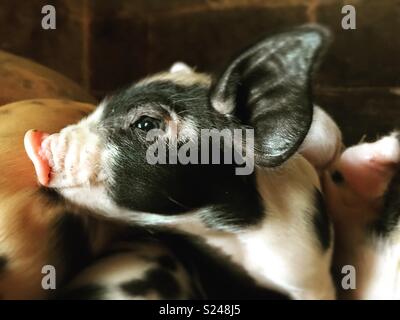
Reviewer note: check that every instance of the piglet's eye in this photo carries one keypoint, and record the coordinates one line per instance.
(147, 123)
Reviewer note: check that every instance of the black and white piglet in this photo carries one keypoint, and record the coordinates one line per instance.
(270, 223)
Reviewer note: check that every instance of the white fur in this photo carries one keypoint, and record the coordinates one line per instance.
(378, 270)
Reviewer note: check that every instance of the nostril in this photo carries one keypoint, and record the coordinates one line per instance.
(337, 177)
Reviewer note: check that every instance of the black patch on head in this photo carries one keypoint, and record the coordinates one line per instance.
(3, 263)
(85, 292)
(241, 206)
(321, 221)
(167, 262)
(176, 188)
(390, 217)
(72, 243)
(180, 98)
(337, 177)
(158, 280)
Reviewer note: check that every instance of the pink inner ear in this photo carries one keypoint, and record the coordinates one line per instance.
(33, 141)
(368, 167)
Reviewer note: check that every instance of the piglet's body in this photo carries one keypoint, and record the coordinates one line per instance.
(360, 191)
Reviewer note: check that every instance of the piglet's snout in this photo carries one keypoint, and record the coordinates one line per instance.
(73, 157)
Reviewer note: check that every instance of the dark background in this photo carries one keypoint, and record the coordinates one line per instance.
(105, 44)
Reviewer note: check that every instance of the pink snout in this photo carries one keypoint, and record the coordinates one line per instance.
(33, 146)
(66, 159)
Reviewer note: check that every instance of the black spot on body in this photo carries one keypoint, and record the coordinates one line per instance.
(213, 275)
(160, 281)
(321, 221)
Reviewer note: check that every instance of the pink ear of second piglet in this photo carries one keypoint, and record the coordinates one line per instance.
(323, 143)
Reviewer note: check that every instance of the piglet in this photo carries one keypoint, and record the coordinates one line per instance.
(361, 190)
(269, 221)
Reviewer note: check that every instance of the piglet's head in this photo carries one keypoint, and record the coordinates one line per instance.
(102, 162)
(357, 182)
(368, 167)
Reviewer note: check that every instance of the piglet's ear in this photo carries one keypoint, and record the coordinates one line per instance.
(180, 67)
(268, 87)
